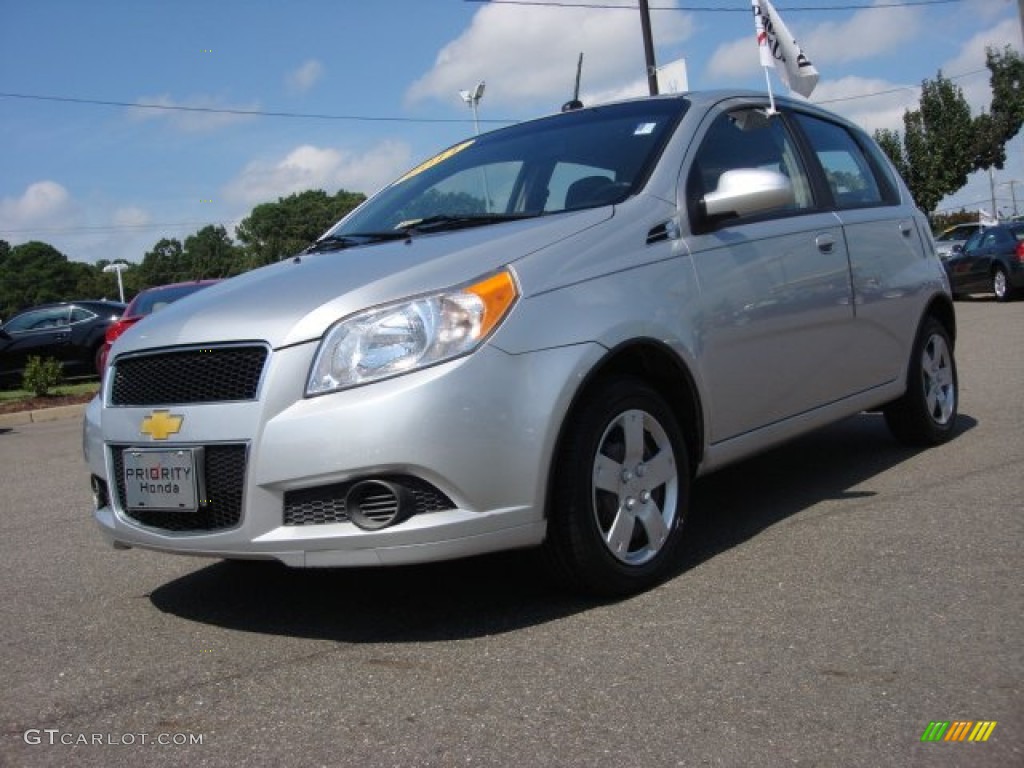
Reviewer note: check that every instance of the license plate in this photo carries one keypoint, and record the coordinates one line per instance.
(162, 479)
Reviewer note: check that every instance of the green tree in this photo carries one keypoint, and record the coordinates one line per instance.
(1006, 116)
(165, 263)
(211, 253)
(36, 273)
(942, 143)
(273, 231)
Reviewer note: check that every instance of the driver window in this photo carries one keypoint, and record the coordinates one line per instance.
(747, 138)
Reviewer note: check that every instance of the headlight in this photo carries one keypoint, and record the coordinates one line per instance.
(398, 338)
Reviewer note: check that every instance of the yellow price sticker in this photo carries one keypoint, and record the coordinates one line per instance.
(435, 160)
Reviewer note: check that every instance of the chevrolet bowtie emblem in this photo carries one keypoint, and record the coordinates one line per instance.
(161, 424)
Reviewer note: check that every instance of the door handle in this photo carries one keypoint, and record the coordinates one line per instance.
(825, 243)
(905, 229)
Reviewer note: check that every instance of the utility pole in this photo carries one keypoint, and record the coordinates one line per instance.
(645, 24)
(992, 187)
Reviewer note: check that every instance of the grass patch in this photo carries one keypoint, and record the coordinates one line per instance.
(83, 388)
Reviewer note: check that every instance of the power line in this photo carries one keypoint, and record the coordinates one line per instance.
(718, 9)
(242, 112)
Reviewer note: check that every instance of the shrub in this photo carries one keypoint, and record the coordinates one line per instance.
(42, 375)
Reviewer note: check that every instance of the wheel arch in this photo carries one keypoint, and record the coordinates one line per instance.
(659, 367)
(941, 308)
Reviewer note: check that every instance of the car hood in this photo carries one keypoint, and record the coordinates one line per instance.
(297, 299)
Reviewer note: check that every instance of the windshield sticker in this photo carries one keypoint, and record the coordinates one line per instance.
(645, 129)
(435, 160)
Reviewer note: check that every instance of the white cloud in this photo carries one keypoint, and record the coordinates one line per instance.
(883, 108)
(305, 77)
(327, 168)
(884, 103)
(44, 204)
(972, 57)
(200, 114)
(130, 216)
(528, 54)
(82, 231)
(865, 35)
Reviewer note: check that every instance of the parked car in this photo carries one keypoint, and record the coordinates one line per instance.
(954, 237)
(537, 338)
(992, 260)
(146, 302)
(70, 331)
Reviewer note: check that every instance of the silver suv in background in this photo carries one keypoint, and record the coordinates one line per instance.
(537, 338)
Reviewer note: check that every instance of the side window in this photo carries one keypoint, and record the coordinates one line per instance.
(39, 320)
(79, 315)
(747, 139)
(974, 240)
(856, 175)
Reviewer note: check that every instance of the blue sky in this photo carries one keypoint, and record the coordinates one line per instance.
(102, 181)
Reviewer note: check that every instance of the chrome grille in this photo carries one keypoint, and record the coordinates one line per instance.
(224, 474)
(194, 375)
(326, 503)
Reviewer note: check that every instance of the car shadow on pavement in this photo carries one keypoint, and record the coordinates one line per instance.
(736, 503)
(511, 591)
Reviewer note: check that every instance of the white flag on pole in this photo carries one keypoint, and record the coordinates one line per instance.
(777, 46)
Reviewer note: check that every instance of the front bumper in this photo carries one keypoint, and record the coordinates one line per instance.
(480, 430)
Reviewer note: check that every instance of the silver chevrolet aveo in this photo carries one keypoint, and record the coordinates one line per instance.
(537, 338)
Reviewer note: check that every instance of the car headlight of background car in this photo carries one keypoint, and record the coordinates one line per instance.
(405, 336)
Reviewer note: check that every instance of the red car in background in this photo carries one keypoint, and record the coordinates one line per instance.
(146, 303)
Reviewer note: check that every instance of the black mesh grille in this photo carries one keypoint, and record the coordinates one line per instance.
(177, 377)
(224, 473)
(326, 504)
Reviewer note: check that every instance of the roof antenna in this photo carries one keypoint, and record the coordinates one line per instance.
(569, 106)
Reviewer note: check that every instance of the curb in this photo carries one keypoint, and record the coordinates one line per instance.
(46, 414)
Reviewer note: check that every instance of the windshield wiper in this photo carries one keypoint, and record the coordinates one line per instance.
(440, 223)
(340, 242)
(449, 221)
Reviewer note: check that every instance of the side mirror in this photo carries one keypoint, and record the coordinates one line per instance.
(749, 191)
(956, 249)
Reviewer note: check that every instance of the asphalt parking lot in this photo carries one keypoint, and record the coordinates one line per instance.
(835, 597)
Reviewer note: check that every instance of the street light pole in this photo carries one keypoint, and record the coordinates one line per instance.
(118, 267)
(472, 98)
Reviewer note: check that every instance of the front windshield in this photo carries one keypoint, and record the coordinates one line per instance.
(569, 161)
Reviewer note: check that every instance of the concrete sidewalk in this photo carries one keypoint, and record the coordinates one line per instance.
(8, 420)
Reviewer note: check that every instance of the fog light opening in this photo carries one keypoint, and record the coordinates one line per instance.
(376, 504)
(99, 492)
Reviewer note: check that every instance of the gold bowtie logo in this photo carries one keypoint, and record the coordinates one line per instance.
(161, 424)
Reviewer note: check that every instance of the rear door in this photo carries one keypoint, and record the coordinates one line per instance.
(886, 246)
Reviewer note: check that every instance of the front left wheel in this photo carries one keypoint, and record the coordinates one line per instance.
(621, 490)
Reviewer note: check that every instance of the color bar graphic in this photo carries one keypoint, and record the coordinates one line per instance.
(982, 730)
(958, 730)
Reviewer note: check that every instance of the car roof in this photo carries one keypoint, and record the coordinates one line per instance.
(93, 303)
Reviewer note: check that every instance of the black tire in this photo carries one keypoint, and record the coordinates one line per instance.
(1001, 284)
(926, 414)
(618, 535)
